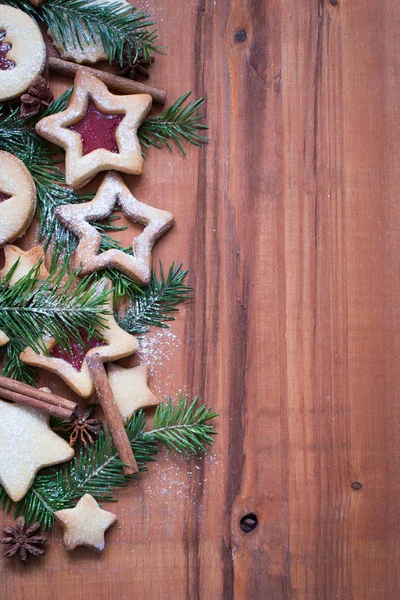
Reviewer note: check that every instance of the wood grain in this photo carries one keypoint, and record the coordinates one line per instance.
(289, 222)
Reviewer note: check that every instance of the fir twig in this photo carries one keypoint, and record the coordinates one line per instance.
(13, 366)
(176, 123)
(29, 314)
(98, 470)
(182, 427)
(157, 303)
(120, 28)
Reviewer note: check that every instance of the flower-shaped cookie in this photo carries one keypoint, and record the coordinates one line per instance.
(98, 130)
(75, 217)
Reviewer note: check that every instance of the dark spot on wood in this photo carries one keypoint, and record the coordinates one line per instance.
(277, 82)
(240, 36)
(248, 523)
(356, 485)
(334, 2)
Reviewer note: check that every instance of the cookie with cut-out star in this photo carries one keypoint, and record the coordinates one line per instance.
(130, 389)
(77, 218)
(26, 261)
(98, 130)
(27, 444)
(85, 525)
(72, 367)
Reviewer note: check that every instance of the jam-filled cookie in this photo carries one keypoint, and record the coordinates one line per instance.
(71, 366)
(98, 130)
(22, 52)
(17, 198)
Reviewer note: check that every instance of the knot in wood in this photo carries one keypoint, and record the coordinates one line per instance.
(240, 36)
(356, 485)
(248, 523)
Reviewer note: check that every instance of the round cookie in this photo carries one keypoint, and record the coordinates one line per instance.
(88, 53)
(17, 198)
(22, 52)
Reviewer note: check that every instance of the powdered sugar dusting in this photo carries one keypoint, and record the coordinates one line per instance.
(157, 348)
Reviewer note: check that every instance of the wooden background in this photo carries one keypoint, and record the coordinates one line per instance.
(289, 222)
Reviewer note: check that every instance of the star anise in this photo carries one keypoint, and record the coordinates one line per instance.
(139, 66)
(23, 539)
(38, 97)
(82, 427)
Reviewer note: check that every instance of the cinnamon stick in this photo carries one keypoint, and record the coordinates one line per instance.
(51, 409)
(111, 412)
(114, 82)
(27, 390)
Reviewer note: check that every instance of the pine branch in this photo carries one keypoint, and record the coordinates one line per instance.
(29, 314)
(182, 427)
(120, 28)
(98, 471)
(13, 366)
(177, 123)
(157, 303)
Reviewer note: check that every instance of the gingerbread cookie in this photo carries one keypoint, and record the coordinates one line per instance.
(92, 51)
(85, 525)
(130, 390)
(27, 445)
(22, 52)
(98, 130)
(17, 198)
(76, 217)
(73, 369)
(26, 261)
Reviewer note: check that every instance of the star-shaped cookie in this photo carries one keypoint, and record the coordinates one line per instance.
(73, 370)
(76, 217)
(91, 110)
(130, 389)
(27, 260)
(27, 443)
(86, 524)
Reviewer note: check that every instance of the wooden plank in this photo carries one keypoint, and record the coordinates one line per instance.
(290, 226)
